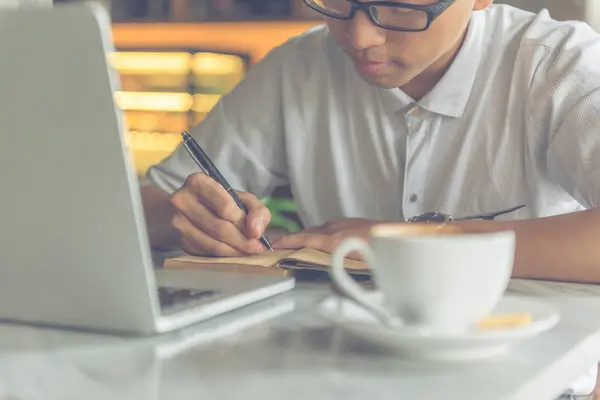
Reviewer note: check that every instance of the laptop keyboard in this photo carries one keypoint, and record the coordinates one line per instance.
(174, 299)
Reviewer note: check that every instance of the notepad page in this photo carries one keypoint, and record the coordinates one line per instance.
(265, 259)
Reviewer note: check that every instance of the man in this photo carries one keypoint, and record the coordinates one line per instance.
(393, 109)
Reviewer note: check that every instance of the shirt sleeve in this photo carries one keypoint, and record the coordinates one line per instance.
(243, 135)
(574, 152)
(569, 87)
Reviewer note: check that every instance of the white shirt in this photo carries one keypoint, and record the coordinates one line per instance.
(515, 120)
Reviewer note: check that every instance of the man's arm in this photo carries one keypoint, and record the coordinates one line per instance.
(159, 213)
(563, 248)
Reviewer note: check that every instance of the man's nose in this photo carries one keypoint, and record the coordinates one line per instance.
(362, 33)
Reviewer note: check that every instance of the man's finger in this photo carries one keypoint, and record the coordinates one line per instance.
(300, 240)
(258, 217)
(220, 202)
(222, 219)
(214, 196)
(196, 242)
(224, 231)
(325, 243)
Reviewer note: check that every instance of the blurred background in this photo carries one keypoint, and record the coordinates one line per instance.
(176, 58)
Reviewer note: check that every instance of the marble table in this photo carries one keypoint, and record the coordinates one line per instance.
(282, 349)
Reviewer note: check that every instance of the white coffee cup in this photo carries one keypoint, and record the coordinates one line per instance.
(440, 279)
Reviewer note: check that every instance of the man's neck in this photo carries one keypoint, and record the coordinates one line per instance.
(422, 84)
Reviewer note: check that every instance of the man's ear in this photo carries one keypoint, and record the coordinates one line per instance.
(482, 4)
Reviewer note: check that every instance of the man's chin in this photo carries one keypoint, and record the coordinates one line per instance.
(385, 81)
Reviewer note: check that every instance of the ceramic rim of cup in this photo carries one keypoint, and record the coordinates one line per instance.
(415, 229)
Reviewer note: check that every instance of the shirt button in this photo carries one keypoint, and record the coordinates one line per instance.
(413, 198)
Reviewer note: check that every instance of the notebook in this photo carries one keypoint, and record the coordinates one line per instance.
(303, 263)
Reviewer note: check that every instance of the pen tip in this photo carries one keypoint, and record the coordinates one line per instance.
(185, 134)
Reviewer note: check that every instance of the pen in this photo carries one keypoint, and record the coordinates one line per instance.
(207, 166)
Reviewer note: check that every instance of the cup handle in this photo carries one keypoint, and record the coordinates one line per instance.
(349, 286)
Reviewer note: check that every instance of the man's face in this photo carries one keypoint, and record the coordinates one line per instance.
(391, 59)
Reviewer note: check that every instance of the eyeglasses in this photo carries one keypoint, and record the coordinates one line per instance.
(390, 15)
(444, 218)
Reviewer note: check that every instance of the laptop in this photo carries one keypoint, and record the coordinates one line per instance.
(74, 250)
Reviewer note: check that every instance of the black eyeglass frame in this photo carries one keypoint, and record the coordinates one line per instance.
(433, 11)
(442, 218)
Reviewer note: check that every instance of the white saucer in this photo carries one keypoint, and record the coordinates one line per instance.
(473, 345)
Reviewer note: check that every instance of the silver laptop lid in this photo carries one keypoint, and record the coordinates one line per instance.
(73, 245)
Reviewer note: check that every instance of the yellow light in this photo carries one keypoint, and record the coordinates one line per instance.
(152, 141)
(153, 101)
(203, 103)
(150, 148)
(150, 63)
(217, 64)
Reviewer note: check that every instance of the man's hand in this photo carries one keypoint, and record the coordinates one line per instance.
(208, 221)
(327, 236)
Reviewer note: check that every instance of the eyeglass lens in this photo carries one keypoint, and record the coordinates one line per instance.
(385, 16)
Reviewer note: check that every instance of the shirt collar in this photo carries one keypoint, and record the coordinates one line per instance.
(450, 95)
